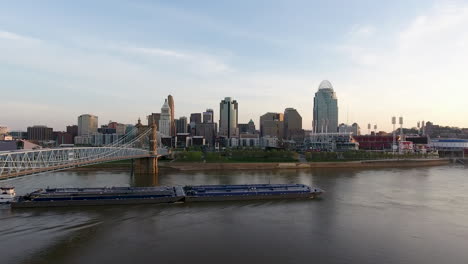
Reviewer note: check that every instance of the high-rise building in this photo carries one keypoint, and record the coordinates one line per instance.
(154, 117)
(208, 116)
(181, 124)
(195, 118)
(292, 124)
(165, 121)
(325, 109)
(170, 100)
(272, 124)
(228, 117)
(87, 124)
(40, 133)
(119, 128)
(72, 130)
(208, 131)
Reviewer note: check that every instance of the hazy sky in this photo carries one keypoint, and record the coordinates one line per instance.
(120, 59)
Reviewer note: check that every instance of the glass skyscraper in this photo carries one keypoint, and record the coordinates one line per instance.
(325, 109)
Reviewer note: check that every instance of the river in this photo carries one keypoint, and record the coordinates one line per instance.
(393, 215)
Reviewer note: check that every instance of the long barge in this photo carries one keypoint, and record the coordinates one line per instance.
(98, 196)
(249, 192)
(165, 194)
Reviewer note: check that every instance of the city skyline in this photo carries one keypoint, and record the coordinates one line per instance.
(384, 59)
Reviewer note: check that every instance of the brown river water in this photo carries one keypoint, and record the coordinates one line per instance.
(410, 215)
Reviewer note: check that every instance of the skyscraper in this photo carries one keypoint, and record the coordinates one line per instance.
(87, 124)
(325, 109)
(170, 100)
(272, 124)
(208, 116)
(165, 120)
(292, 124)
(181, 124)
(228, 117)
(40, 133)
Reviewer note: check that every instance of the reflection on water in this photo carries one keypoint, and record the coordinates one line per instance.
(366, 216)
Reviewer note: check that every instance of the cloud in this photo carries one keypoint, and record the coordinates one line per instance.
(15, 37)
(418, 70)
(196, 62)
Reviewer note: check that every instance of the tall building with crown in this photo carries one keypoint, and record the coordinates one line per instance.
(165, 120)
(325, 109)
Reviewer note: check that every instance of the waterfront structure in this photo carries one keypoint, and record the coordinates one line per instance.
(293, 125)
(183, 140)
(208, 116)
(181, 125)
(228, 117)
(170, 101)
(375, 141)
(249, 140)
(450, 147)
(198, 141)
(154, 118)
(269, 142)
(40, 133)
(165, 120)
(272, 124)
(19, 134)
(87, 124)
(325, 109)
(331, 142)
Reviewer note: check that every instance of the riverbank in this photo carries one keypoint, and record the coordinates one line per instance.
(199, 166)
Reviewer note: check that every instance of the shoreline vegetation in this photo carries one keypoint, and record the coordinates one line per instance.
(282, 159)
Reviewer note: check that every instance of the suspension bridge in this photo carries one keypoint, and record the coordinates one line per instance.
(140, 144)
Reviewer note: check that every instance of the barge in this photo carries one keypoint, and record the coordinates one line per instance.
(54, 197)
(98, 196)
(249, 192)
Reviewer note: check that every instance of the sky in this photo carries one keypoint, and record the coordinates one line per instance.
(120, 59)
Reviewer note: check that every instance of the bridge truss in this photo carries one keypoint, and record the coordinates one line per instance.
(20, 163)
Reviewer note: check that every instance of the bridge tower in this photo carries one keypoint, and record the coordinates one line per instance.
(148, 165)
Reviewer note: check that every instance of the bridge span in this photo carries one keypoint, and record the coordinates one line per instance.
(142, 147)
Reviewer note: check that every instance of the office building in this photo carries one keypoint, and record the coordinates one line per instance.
(228, 117)
(63, 138)
(119, 128)
(293, 125)
(181, 124)
(40, 133)
(272, 125)
(195, 118)
(87, 124)
(208, 131)
(170, 101)
(325, 109)
(154, 117)
(165, 120)
(208, 116)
